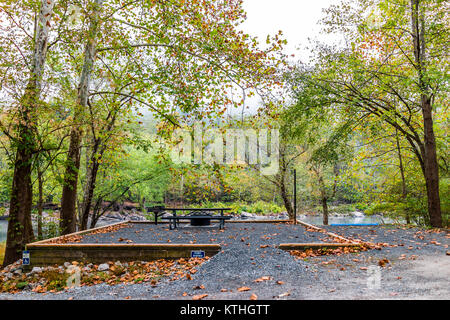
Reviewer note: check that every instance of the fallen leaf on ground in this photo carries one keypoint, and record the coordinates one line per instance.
(199, 287)
(284, 295)
(199, 296)
(383, 262)
(253, 297)
(241, 289)
(265, 278)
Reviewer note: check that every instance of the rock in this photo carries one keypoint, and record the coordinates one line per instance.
(18, 272)
(246, 215)
(103, 267)
(357, 214)
(167, 214)
(36, 270)
(136, 217)
(114, 215)
(118, 264)
(8, 275)
(66, 264)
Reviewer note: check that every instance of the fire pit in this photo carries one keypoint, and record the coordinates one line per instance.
(201, 218)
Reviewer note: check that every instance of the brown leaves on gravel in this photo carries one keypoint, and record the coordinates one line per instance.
(109, 229)
(199, 296)
(54, 278)
(302, 254)
(77, 238)
(66, 239)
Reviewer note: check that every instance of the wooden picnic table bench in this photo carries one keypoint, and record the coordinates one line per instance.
(197, 216)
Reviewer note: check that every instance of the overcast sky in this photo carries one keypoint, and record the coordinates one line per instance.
(296, 18)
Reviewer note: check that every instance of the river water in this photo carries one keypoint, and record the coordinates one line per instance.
(3, 228)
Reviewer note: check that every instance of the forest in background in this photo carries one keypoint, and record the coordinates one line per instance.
(89, 105)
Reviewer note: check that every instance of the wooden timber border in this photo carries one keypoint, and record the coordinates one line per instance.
(322, 245)
(46, 252)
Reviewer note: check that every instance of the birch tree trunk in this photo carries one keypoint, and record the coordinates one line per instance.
(69, 194)
(20, 230)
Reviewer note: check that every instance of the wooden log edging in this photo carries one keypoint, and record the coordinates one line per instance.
(49, 254)
(258, 221)
(305, 246)
(359, 242)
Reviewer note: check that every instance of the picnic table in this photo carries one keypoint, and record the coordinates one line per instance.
(197, 216)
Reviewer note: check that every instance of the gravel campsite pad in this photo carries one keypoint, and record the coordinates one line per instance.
(411, 264)
(234, 235)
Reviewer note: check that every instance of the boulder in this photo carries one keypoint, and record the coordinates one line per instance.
(246, 215)
(103, 267)
(36, 270)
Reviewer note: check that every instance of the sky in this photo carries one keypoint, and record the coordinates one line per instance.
(296, 18)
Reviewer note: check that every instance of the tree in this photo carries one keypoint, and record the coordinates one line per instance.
(69, 195)
(189, 58)
(391, 73)
(20, 230)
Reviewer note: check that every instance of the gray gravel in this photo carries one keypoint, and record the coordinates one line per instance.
(421, 272)
(254, 233)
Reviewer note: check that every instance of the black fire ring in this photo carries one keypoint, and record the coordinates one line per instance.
(200, 219)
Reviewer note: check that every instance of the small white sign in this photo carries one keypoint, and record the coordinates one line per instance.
(197, 254)
(26, 257)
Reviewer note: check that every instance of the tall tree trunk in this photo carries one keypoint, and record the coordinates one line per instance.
(40, 204)
(431, 168)
(402, 174)
(69, 194)
(325, 210)
(91, 178)
(20, 230)
(324, 200)
(285, 197)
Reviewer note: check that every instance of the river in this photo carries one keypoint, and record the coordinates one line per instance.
(3, 227)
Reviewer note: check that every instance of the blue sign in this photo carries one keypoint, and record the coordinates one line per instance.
(26, 258)
(197, 254)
